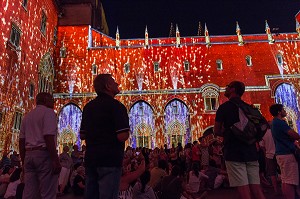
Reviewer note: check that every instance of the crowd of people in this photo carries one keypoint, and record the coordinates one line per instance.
(104, 169)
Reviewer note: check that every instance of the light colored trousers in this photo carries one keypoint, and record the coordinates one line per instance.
(39, 181)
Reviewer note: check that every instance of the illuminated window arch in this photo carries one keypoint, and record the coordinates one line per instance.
(211, 96)
(286, 95)
(248, 60)
(177, 123)
(46, 74)
(69, 120)
(141, 121)
(219, 63)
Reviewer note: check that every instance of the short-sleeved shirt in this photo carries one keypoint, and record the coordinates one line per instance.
(284, 144)
(234, 149)
(102, 120)
(36, 124)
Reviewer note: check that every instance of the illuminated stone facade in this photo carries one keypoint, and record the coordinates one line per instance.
(27, 43)
(189, 70)
(170, 86)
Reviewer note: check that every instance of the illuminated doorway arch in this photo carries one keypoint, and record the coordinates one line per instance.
(141, 121)
(69, 121)
(177, 123)
(286, 94)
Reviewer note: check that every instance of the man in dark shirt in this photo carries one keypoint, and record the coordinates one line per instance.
(240, 158)
(105, 127)
(284, 138)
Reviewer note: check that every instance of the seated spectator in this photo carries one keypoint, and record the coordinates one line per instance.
(195, 181)
(157, 173)
(14, 181)
(5, 161)
(79, 182)
(172, 186)
(4, 179)
(129, 176)
(215, 175)
(66, 163)
(15, 159)
(74, 173)
(141, 189)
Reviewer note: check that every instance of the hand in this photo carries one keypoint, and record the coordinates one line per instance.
(56, 167)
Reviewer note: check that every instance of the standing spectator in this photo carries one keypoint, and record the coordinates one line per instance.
(284, 138)
(204, 153)
(105, 127)
(240, 158)
(188, 156)
(38, 150)
(271, 164)
(196, 155)
(66, 164)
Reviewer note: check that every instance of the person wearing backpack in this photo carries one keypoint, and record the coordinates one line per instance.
(240, 157)
(284, 138)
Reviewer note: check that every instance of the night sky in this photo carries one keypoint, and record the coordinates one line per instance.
(132, 16)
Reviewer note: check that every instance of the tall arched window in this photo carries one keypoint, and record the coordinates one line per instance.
(141, 120)
(286, 94)
(177, 123)
(69, 120)
(46, 74)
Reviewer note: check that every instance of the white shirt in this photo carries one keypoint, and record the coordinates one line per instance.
(268, 143)
(36, 124)
(12, 188)
(194, 181)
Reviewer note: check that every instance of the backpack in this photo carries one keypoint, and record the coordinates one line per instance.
(252, 125)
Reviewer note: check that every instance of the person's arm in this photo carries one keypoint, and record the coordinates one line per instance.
(22, 149)
(81, 185)
(82, 134)
(218, 130)
(51, 147)
(132, 176)
(122, 137)
(293, 134)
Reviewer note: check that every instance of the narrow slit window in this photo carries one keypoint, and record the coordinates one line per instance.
(186, 66)
(248, 60)
(219, 63)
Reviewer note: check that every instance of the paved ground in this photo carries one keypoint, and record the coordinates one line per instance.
(228, 193)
